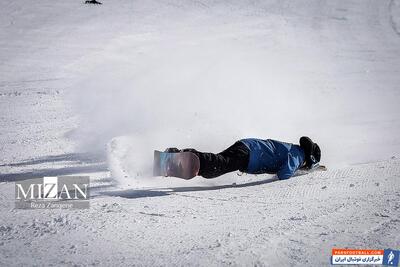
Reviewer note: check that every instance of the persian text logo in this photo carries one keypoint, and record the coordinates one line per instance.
(63, 192)
(365, 256)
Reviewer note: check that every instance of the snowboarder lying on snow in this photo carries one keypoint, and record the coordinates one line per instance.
(256, 156)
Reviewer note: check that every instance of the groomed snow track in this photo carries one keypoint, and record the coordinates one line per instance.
(287, 223)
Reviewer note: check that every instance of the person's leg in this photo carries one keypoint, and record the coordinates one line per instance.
(235, 157)
(238, 155)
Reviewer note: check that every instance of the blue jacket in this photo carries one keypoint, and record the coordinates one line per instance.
(270, 156)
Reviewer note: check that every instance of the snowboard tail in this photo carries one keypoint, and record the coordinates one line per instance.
(185, 165)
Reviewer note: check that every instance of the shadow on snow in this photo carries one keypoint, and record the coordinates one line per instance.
(80, 163)
(140, 193)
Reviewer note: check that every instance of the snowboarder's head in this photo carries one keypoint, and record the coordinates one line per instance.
(311, 150)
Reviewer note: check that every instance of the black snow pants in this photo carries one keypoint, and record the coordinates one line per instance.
(235, 157)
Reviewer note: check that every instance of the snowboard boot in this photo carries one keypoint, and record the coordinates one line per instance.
(172, 150)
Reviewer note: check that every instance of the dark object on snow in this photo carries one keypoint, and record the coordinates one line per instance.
(311, 150)
(93, 2)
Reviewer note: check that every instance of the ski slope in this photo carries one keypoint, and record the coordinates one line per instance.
(95, 89)
(290, 223)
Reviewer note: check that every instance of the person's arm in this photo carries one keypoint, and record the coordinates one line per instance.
(291, 165)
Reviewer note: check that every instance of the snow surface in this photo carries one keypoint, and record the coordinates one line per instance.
(95, 89)
(290, 223)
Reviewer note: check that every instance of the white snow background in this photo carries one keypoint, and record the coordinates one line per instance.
(87, 89)
(203, 75)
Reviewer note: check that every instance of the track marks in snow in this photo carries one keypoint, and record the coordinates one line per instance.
(283, 222)
(353, 210)
(394, 13)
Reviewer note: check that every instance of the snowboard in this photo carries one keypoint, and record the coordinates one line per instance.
(183, 165)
